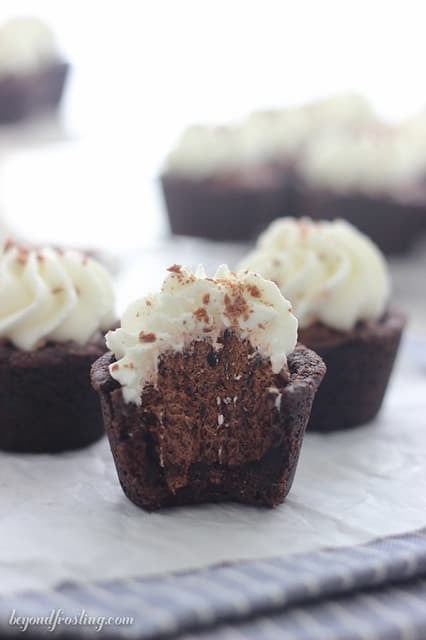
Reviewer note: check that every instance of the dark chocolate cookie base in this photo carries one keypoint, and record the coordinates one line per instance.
(47, 403)
(359, 365)
(261, 443)
(22, 96)
(237, 209)
(221, 209)
(393, 224)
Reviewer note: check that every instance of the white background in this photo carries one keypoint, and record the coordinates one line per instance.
(144, 69)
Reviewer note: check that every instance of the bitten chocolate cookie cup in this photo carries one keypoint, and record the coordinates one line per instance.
(232, 208)
(47, 404)
(219, 426)
(359, 365)
(23, 95)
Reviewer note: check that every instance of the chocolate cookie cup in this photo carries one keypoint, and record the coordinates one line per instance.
(339, 285)
(32, 71)
(54, 307)
(359, 366)
(47, 404)
(392, 221)
(172, 461)
(228, 206)
(331, 158)
(25, 95)
(221, 420)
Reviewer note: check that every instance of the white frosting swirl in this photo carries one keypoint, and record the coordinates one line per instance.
(275, 134)
(26, 44)
(382, 160)
(331, 272)
(52, 295)
(204, 149)
(343, 110)
(264, 135)
(410, 149)
(191, 307)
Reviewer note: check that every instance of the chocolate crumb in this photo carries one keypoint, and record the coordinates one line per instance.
(9, 244)
(237, 307)
(23, 255)
(254, 290)
(206, 298)
(147, 337)
(175, 268)
(115, 367)
(201, 315)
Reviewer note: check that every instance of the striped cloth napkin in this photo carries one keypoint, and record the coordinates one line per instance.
(372, 592)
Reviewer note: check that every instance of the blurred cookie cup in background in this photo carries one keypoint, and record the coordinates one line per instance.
(54, 308)
(33, 71)
(338, 283)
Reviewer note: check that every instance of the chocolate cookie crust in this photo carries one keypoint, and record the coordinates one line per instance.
(237, 207)
(392, 222)
(225, 207)
(218, 426)
(46, 401)
(359, 365)
(27, 94)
